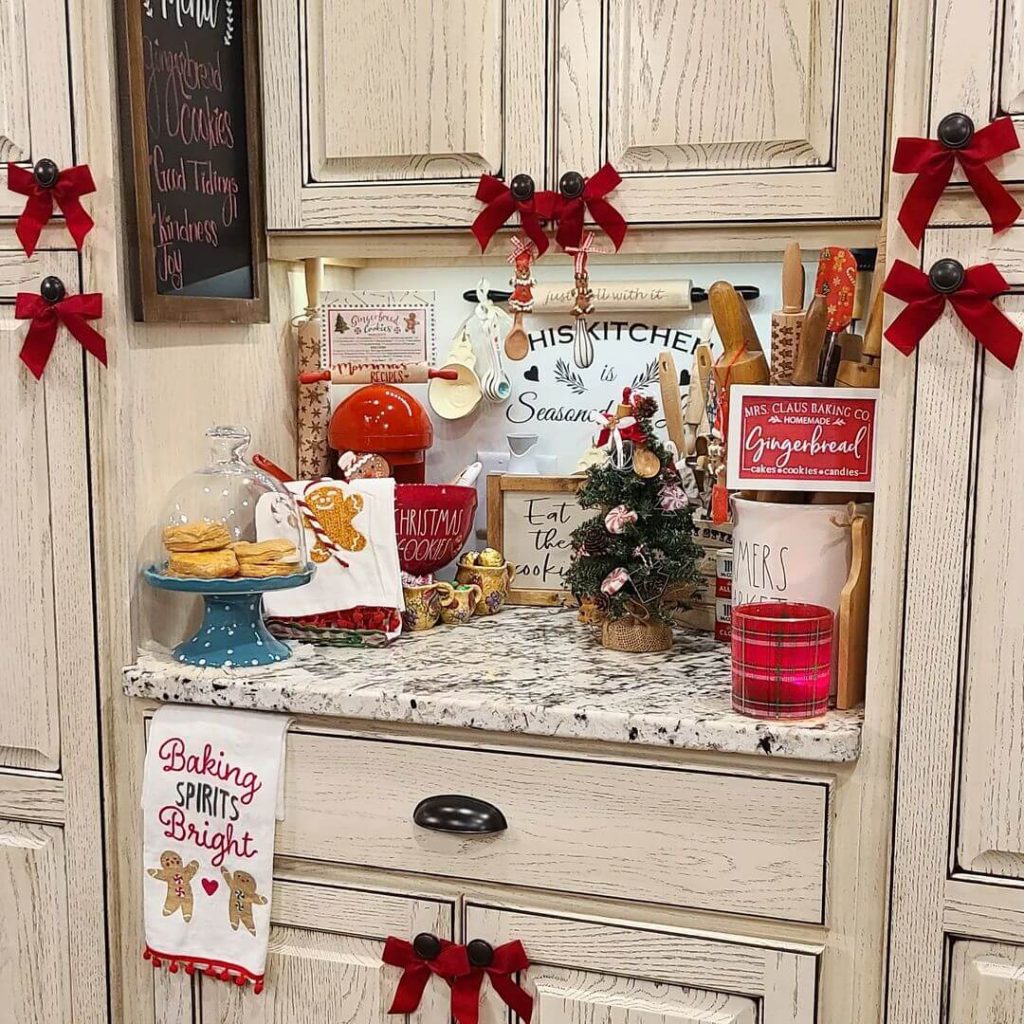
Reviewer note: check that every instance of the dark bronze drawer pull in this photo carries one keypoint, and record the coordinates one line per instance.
(459, 814)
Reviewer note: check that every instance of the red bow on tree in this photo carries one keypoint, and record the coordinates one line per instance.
(569, 212)
(932, 161)
(451, 962)
(501, 204)
(46, 317)
(70, 186)
(508, 959)
(972, 302)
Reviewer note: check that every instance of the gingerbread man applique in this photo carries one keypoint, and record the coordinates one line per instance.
(335, 511)
(178, 878)
(242, 895)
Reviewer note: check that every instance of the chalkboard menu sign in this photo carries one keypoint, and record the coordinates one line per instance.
(191, 113)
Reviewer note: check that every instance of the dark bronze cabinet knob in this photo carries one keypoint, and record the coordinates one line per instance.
(571, 184)
(955, 130)
(52, 289)
(45, 172)
(946, 275)
(480, 953)
(426, 946)
(522, 187)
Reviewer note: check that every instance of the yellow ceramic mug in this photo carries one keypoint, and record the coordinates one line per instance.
(458, 609)
(494, 582)
(423, 605)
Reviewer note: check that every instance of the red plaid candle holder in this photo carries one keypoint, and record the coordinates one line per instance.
(781, 659)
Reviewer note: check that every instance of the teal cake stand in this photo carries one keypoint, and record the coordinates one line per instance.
(232, 634)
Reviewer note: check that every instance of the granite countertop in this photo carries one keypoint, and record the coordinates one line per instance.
(526, 670)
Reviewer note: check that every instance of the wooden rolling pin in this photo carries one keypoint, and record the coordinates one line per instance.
(786, 322)
(812, 337)
(377, 373)
(867, 372)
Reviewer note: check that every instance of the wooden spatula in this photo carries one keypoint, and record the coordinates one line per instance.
(837, 281)
(812, 338)
(742, 362)
(866, 373)
(672, 402)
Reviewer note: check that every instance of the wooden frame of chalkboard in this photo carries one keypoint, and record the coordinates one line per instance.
(545, 490)
(233, 288)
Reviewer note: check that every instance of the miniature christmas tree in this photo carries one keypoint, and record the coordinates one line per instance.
(635, 556)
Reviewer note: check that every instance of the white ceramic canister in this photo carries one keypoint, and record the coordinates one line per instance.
(791, 553)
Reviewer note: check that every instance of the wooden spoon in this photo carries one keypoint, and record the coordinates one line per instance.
(517, 341)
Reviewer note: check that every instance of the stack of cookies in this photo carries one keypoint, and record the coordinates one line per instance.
(205, 551)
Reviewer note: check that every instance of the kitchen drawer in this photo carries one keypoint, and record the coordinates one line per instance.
(677, 836)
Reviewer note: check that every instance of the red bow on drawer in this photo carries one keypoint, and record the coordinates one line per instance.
(932, 161)
(508, 960)
(449, 963)
(501, 204)
(972, 300)
(569, 212)
(46, 317)
(70, 185)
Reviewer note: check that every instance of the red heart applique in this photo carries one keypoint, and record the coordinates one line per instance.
(210, 886)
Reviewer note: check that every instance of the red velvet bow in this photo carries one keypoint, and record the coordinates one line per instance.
(450, 963)
(501, 204)
(71, 185)
(508, 959)
(972, 302)
(933, 162)
(569, 212)
(72, 312)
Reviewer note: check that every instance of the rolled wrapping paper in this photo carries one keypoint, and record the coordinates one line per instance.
(314, 407)
(616, 296)
(377, 373)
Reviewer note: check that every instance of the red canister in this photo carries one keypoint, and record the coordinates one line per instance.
(781, 659)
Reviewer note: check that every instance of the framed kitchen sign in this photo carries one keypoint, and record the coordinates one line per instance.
(530, 520)
(191, 124)
(801, 439)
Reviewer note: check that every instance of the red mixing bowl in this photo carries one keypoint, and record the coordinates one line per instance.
(433, 523)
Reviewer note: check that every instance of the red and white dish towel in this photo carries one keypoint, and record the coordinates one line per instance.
(211, 797)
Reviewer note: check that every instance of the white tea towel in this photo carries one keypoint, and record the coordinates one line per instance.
(211, 796)
(359, 517)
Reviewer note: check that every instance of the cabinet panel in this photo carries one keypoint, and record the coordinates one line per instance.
(786, 101)
(33, 71)
(991, 820)
(986, 984)
(43, 425)
(388, 119)
(588, 972)
(34, 954)
(323, 963)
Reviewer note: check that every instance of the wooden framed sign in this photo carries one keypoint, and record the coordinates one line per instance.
(191, 128)
(801, 439)
(530, 520)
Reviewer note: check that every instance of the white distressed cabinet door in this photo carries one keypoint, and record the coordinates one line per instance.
(978, 69)
(324, 963)
(745, 110)
(33, 74)
(586, 972)
(986, 984)
(385, 114)
(46, 607)
(34, 954)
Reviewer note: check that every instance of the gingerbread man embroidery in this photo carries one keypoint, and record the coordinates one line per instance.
(178, 878)
(242, 895)
(336, 511)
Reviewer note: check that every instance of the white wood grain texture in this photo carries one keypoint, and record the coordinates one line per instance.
(33, 70)
(687, 838)
(45, 426)
(945, 400)
(704, 101)
(986, 911)
(986, 984)
(34, 967)
(324, 961)
(406, 106)
(978, 69)
(991, 795)
(32, 798)
(582, 997)
(587, 968)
